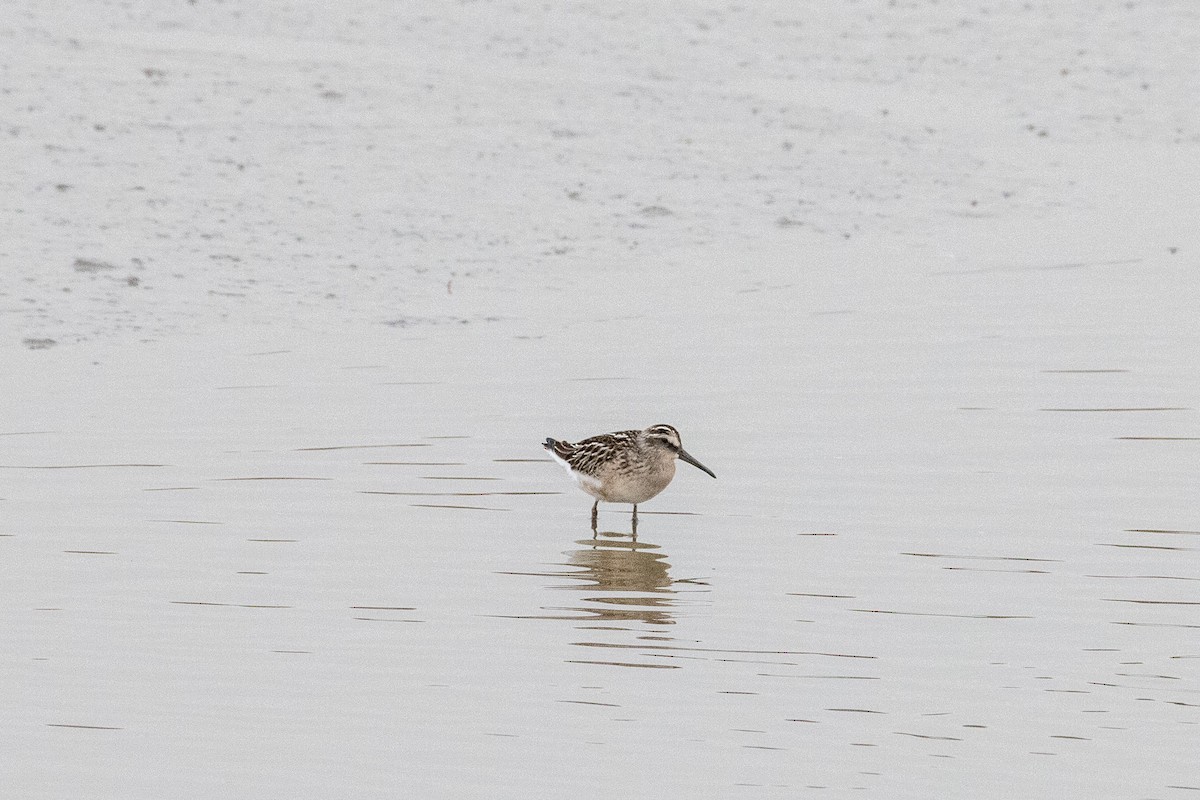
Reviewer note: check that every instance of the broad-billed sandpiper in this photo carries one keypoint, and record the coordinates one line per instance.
(623, 467)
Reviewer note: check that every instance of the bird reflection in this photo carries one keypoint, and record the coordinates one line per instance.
(617, 564)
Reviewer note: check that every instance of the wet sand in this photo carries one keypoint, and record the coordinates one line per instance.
(274, 517)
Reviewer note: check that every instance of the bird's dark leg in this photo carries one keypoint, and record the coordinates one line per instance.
(635, 522)
(595, 506)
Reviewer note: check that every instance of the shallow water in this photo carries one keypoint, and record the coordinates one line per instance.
(297, 305)
(918, 572)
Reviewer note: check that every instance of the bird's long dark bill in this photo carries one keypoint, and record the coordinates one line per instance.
(685, 457)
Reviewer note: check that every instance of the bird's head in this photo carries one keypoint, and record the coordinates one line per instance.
(667, 438)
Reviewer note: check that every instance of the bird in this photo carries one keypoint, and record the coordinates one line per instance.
(625, 466)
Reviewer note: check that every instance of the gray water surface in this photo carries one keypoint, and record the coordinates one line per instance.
(291, 296)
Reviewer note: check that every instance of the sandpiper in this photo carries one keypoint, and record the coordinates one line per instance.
(623, 467)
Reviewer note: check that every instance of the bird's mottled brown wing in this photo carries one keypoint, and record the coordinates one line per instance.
(590, 455)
